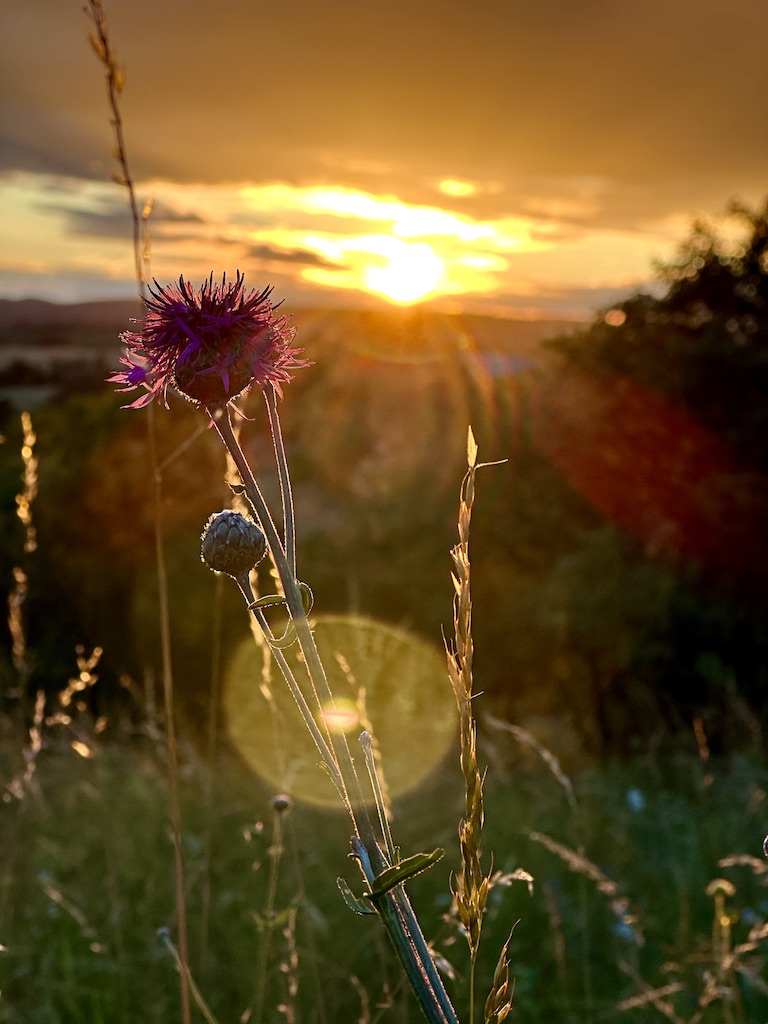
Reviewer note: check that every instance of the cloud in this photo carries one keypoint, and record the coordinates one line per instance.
(64, 286)
(300, 257)
(600, 127)
(665, 92)
(29, 149)
(114, 220)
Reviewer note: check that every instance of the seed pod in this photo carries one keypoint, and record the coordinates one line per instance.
(231, 543)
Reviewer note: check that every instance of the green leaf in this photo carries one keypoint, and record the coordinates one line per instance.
(307, 597)
(281, 642)
(268, 601)
(398, 873)
(354, 904)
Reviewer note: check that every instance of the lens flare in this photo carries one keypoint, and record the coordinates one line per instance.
(380, 675)
(341, 717)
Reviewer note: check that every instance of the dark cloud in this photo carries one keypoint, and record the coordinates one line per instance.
(97, 223)
(111, 218)
(164, 214)
(656, 94)
(299, 257)
(34, 153)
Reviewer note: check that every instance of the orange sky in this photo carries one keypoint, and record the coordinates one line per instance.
(527, 157)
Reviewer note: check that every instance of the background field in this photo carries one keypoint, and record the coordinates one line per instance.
(619, 565)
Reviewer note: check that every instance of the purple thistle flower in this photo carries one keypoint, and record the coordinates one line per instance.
(211, 345)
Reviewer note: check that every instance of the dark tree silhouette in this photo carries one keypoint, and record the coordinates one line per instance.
(659, 417)
(704, 340)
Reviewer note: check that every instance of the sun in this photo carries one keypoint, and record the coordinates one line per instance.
(411, 271)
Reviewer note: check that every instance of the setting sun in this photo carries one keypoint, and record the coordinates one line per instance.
(411, 272)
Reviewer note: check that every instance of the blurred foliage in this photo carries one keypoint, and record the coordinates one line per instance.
(619, 553)
(704, 341)
(679, 381)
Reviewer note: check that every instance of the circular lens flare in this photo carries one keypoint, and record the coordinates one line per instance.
(380, 675)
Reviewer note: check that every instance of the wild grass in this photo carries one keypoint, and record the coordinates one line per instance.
(618, 924)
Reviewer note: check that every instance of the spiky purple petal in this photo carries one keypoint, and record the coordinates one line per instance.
(211, 344)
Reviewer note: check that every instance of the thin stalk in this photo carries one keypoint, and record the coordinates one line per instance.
(102, 47)
(366, 742)
(310, 937)
(101, 44)
(472, 962)
(170, 729)
(275, 855)
(403, 928)
(208, 784)
(317, 674)
(184, 969)
(286, 494)
(329, 758)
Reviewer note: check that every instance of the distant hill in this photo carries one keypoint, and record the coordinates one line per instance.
(36, 312)
(46, 345)
(36, 317)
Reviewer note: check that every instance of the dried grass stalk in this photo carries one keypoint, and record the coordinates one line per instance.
(471, 884)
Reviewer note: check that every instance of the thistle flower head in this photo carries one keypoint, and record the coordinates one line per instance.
(211, 344)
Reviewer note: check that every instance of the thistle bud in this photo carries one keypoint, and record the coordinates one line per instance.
(231, 543)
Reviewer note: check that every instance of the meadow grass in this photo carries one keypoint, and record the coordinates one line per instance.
(618, 908)
(624, 917)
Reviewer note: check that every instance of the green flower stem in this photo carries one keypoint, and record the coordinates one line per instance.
(221, 420)
(289, 528)
(366, 742)
(329, 759)
(393, 907)
(402, 926)
(316, 672)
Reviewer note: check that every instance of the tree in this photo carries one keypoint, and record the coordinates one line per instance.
(704, 340)
(657, 415)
